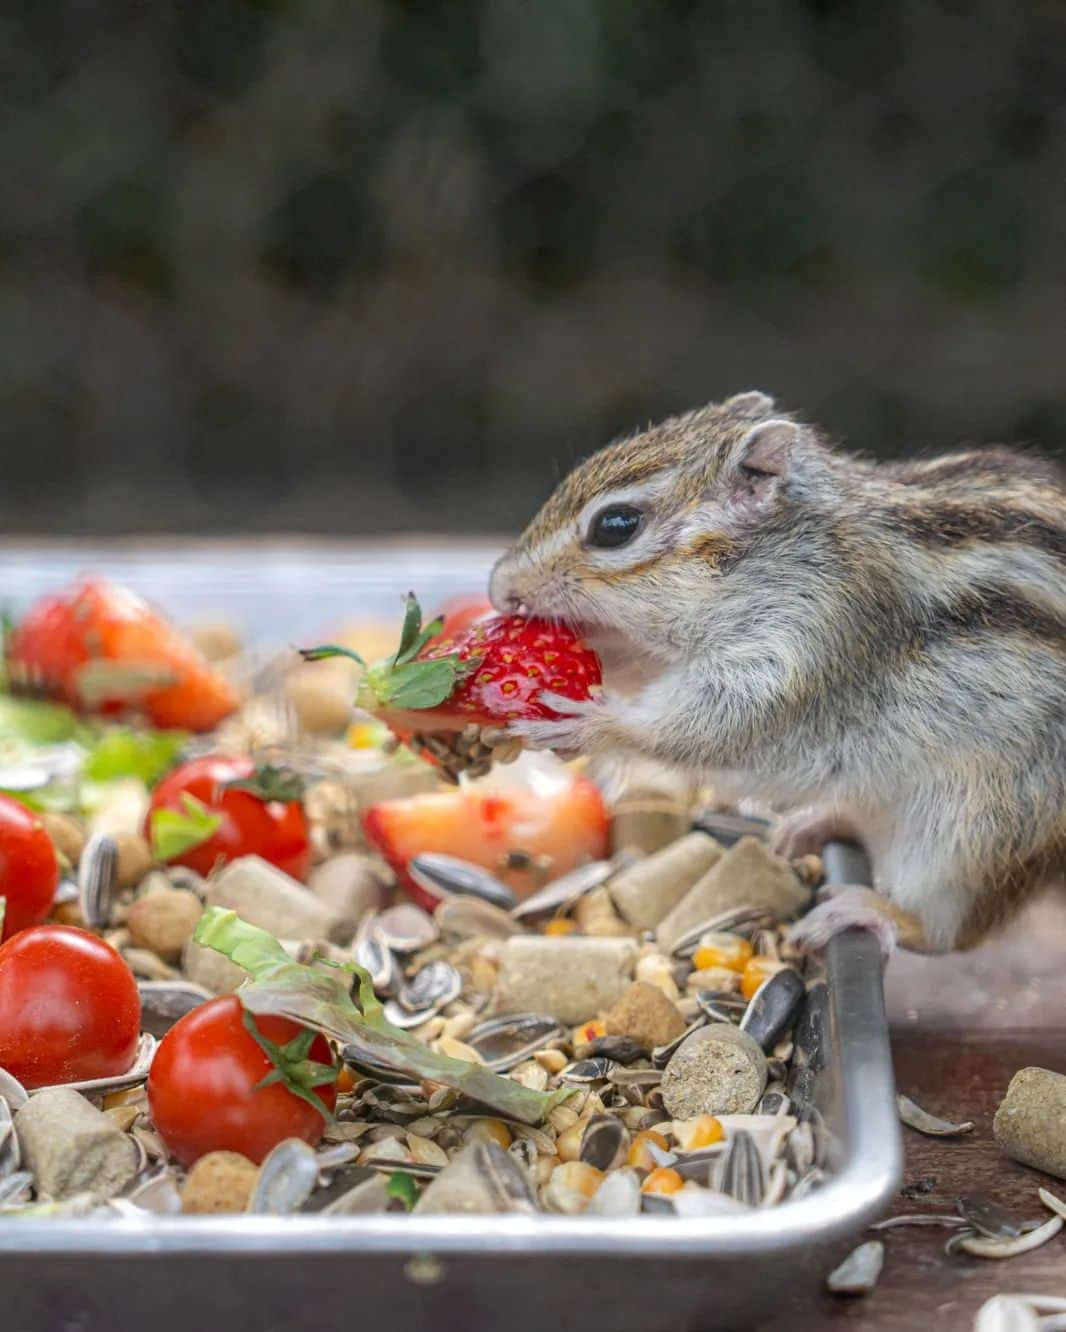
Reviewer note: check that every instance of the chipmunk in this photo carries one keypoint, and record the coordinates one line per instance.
(880, 649)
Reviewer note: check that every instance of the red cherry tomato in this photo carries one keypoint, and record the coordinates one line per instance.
(29, 871)
(202, 1088)
(69, 1007)
(276, 830)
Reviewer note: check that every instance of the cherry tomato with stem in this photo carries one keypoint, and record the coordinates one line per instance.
(223, 1080)
(252, 811)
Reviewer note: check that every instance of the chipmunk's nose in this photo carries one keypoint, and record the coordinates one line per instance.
(503, 590)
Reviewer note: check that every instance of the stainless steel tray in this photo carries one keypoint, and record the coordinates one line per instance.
(470, 1274)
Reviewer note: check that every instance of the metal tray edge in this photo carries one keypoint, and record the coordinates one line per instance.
(868, 1178)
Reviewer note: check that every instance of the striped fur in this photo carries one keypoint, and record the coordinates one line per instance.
(885, 641)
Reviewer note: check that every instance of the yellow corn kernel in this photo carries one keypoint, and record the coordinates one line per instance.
(576, 1175)
(568, 1143)
(588, 1032)
(545, 1168)
(722, 950)
(552, 1060)
(703, 1131)
(663, 1180)
(639, 1156)
(366, 735)
(559, 927)
(489, 1130)
(125, 1096)
(345, 1080)
(757, 970)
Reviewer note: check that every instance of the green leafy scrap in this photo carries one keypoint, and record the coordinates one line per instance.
(321, 999)
(120, 752)
(173, 832)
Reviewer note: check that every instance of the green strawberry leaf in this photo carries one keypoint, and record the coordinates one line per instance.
(173, 833)
(327, 650)
(415, 635)
(422, 684)
(427, 635)
(412, 627)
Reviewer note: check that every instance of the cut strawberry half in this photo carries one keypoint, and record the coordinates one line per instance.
(491, 672)
(523, 838)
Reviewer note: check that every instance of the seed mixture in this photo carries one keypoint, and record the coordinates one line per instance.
(592, 1010)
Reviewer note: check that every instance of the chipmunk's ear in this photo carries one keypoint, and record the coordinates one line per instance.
(752, 406)
(761, 461)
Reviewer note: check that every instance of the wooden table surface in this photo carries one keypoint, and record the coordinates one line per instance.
(962, 1026)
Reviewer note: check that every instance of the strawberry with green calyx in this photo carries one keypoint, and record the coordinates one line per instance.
(492, 672)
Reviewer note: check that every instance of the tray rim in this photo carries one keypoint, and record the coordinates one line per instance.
(871, 1165)
(867, 1179)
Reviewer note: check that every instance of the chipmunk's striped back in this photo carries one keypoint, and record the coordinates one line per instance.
(886, 641)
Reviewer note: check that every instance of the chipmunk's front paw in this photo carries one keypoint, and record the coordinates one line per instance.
(848, 907)
(579, 729)
(805, 831)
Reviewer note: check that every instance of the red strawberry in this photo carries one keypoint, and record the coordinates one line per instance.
(459, 612)
(562, 829)
(491, 672)
(100, 648)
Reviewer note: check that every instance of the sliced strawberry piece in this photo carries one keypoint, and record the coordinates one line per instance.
(492, 672)
(100, 648)
(565, 828)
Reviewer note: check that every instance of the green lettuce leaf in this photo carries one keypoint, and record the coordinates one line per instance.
(320, 998)
(31, 721)
(146, 755)
(172, 833)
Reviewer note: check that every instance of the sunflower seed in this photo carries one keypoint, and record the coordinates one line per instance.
(137, 1072)
(286, 1179)
(405, 928)
(564, 891)
(447, 876)
(858, 1273)
(915, 1117)
(983, 1247)
(989, 1218)
(97, 880)
(505, 1042)
(431, 988)
(740, 1171)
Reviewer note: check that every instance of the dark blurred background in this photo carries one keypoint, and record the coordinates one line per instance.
(309, 265)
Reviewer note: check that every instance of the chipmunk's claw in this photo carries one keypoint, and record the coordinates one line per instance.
(847, 908)
(568, 735)
(805, 831)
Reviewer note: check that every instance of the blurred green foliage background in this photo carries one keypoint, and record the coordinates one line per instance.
(302, 264)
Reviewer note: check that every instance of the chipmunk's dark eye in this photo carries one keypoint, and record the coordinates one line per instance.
(615, 525)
